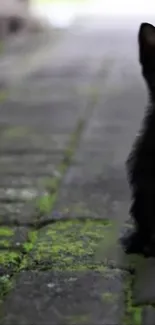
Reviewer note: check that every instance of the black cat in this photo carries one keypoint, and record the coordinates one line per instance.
(141, 161)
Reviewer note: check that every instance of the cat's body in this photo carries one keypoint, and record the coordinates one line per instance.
(141, 161)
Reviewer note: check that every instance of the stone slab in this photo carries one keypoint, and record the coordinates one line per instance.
(65, 298)
(144, 283)
(77, 245)
(148, 315)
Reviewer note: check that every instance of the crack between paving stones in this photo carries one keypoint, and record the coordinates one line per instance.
(43, 223)
(133, 313)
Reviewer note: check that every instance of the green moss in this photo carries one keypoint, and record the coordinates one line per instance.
(137, 316)
(71, 147)
(32, 237)
(56, 245)
(68, 245)
(45, 203)
(9, 259)
(6, 232)
(4, 243)
(5, 286)
(109, 297)
(133, 314)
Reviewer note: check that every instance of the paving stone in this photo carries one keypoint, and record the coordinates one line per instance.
(25, 170)
(65, 298)
(102, 197)
(20, 194)
(68, 111)
(148, 316)
(14, 182)
(144, 283)
(77, 245)
(19, 211)
(54, 143)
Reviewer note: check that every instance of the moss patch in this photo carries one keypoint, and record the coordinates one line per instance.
(45, 204)
(9, 260)
(5, 286)
(32, 237)
(6, 236)
(6, 232)
(133, 314)
(70, 245)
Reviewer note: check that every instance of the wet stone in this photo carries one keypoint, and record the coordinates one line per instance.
(66, 298)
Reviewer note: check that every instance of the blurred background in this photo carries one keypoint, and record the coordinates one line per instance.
(61, 13)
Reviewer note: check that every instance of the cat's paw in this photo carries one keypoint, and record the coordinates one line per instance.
(133, 243)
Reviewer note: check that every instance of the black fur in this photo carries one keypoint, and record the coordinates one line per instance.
(141, 161)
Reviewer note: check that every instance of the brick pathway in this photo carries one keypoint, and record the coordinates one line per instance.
(65, 132)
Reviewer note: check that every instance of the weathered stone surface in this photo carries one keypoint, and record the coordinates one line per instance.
(48, 115)
(148, 315)
(65, 298)
(95, 186)
(35, 139)
(105, 196)
(19, 211)
(144, 283)
(37, 143)
(77, 245)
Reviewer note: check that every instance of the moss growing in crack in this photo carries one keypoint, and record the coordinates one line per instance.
(5, 286)
(6, 235)
(9, 259)
(45, 203)
(133, 314)
(32, 237)
(71, 146)
(6, 232)
(137, 316)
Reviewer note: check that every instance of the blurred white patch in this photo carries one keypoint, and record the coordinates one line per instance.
(62, 14)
